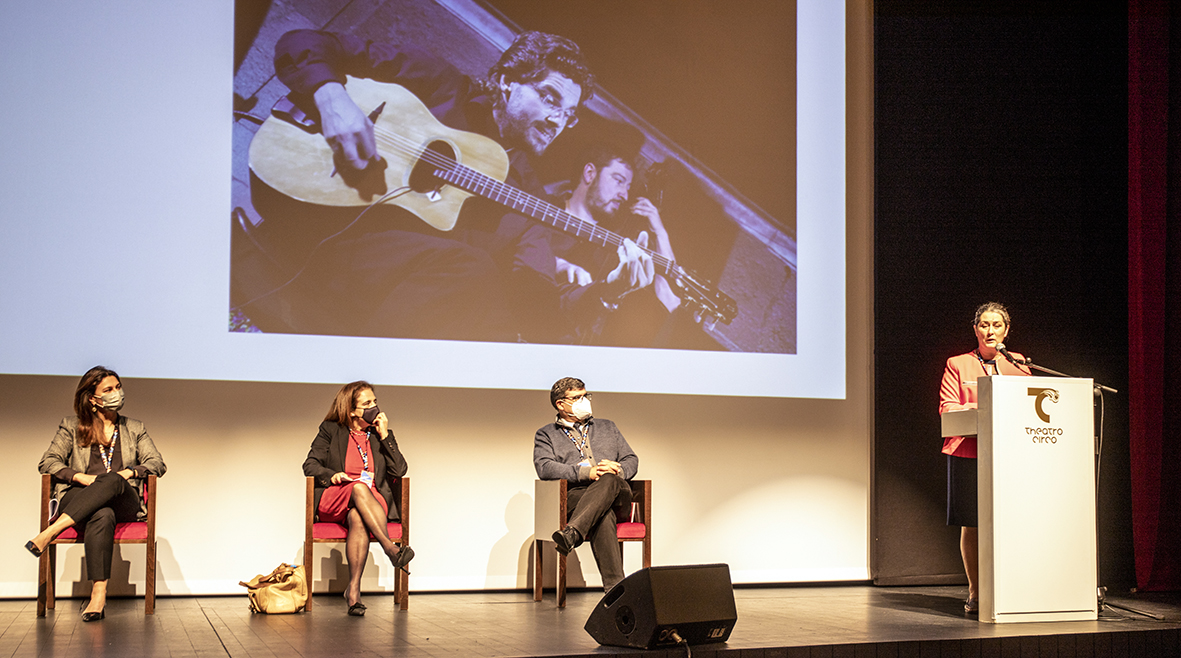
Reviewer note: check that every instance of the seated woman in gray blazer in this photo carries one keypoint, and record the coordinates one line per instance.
(98, 460)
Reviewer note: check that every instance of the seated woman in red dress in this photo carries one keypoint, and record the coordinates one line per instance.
(355, 461)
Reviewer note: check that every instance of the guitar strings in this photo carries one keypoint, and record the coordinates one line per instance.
(477, 180)
(392, 194)
(696, 293)
(467, 175)
(396, 142)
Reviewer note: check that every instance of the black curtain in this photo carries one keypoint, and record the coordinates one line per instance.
(1001, 175)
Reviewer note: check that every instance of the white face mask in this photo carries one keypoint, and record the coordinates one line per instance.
(581, 409)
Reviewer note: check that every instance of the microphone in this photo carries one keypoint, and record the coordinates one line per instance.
(1000, 347)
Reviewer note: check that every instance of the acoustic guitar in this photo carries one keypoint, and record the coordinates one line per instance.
(430, 170)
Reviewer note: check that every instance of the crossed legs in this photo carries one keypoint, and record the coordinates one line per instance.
(593, 516)
(109, 500)
(367, 517)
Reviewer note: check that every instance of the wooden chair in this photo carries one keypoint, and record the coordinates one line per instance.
(550, 515)
(137, 532)
(336, 533)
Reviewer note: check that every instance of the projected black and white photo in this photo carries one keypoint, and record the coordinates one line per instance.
(516, 172)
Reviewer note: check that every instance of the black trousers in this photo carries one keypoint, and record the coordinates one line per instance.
(592, 511)
(95, 510)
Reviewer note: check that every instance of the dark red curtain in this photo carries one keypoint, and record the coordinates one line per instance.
(1154, 292)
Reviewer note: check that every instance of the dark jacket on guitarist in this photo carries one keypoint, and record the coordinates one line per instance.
(517, 297)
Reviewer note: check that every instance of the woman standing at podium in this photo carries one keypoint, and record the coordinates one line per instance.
(958, 392)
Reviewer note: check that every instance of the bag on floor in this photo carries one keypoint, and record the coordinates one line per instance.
(285, 590)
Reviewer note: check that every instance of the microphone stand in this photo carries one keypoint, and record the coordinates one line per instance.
(1099, 390)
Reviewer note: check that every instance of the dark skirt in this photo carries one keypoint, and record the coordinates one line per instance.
(961, 491)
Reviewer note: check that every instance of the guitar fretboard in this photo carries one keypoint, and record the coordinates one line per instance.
(473, 181)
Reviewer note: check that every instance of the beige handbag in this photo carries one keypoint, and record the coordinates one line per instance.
(285, 590)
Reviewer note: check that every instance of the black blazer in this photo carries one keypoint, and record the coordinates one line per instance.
(327, 454)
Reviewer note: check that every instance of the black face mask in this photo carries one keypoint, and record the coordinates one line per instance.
(370, 414)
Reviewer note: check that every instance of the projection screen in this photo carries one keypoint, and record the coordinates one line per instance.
(122, 171)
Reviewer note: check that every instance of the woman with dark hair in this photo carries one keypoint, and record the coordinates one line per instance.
(355, 461)
(958, 391)
(93, 460)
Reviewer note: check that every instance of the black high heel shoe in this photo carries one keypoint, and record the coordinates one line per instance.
(357, 609)
(404, 556)
(93, 616)
(32, 548)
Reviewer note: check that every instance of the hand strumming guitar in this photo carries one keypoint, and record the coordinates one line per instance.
(635, 269)
(346, 128)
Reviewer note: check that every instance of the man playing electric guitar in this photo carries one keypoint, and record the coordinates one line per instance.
(486, 278)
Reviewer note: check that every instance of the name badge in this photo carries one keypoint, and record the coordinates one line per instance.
(366, 477)
(584, 463)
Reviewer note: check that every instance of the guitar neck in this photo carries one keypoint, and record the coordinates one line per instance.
(698, 293)
(547, 213)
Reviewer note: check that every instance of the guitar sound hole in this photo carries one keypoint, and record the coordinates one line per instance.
(422, 175)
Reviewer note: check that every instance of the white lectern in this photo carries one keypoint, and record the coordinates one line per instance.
(1036, 451)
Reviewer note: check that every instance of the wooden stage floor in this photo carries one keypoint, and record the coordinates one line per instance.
(847, 620)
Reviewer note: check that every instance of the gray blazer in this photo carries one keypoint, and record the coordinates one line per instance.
(135, 446)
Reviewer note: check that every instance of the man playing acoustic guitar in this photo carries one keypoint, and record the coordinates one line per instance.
(488, 276)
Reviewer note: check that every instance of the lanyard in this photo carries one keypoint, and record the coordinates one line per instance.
(582, 433)
(984, 364)
(364, 454)
(109, 451)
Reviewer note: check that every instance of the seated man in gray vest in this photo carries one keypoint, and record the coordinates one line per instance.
(593, 457)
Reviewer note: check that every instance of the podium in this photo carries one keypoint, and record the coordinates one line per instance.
(1036, 497)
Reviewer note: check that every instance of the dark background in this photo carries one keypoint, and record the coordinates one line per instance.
(712, 76)
(1001, 175)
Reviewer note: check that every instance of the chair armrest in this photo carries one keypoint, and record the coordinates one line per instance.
(549, 507)
(309, 509)
(150, 503)
(404, 509)
(46, 493)
(641, 501)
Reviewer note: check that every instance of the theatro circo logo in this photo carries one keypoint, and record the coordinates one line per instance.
(1040, 395)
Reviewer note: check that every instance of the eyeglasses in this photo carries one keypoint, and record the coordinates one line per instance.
(586, 396)
(569, 116)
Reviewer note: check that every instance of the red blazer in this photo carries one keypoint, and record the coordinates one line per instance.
(958, 391)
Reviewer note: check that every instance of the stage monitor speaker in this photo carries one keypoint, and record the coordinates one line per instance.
(657, 606)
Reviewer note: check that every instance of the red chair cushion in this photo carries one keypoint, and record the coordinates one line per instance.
(630, 530)
(337, 532)
(124, 532)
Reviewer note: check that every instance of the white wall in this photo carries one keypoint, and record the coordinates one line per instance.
(776, 488)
